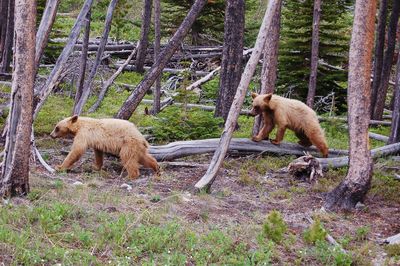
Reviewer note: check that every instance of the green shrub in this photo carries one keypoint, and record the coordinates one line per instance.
(175, 124)
(331, 255)
(274, 227)
(315, 232)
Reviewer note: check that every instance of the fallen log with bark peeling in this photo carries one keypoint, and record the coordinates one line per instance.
(378, 137)
(238, 146)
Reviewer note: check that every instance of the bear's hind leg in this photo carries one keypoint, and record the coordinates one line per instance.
(148, 161)
(130, 161)
(303, 139)
(319, 141)
(99, 159)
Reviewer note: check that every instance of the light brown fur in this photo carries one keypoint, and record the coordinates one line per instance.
(288, 113)
(115, 136)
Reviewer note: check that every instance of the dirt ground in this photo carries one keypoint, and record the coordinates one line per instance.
(245, 191)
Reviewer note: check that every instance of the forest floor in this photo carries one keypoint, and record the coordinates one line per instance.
(87, 217)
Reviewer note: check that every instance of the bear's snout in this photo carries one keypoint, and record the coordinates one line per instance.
(253, 112)
(53, 135)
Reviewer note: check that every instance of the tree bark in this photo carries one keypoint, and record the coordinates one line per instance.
(379, 48)
(129, 106)
(3, 24)
(312, 85)
(9, 37)
(270, 62)
(357, 182)
(232, 54)
(144, 35)
(84, 58)
(42, 94)
(46, 24)
(87, 85)
(157, 45)
(387, 62)
(206, 181)
(14, 179)
(110, 81)
(395, 129)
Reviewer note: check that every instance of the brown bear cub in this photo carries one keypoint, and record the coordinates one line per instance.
(287, 113)
(115, 136)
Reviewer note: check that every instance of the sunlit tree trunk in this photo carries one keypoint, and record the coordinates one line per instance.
(357, 182)
(14, 179)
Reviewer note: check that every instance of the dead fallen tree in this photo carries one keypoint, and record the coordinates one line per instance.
(169, 70)
(238, 146)
(378, 137)
(338, 162)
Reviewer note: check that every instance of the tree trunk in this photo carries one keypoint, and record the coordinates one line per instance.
(129, 106)
(312, 85)
(206, 181)
(379, 48)
(387, 62)
(157, 44)
(3, 24)
(144, 35)
(46, 24)
(395, 129)
(87, 85)
(42, 94)
(232, 54)
(84, 57)
(8, 41)
(357, 182)
(14, 179)
(270, 62)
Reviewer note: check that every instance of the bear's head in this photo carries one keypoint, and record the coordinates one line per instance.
(260, 103)
(65, 127)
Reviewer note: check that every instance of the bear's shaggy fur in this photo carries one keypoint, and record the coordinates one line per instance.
(291, 114)
(115, 136)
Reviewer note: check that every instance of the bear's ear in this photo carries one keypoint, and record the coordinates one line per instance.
(267, 97)
(74, 119)
(254, 95)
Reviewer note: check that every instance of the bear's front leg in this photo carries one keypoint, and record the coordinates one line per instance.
(98, 159)
(77, 150)
(279, 136)
(266, 129)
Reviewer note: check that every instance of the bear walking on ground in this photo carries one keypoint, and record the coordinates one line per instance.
(288, 113)
(115, 136)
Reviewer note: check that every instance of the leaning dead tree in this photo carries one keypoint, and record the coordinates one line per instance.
(88, 83)
(231, 65)
(53, 79)
(312, 84)
(144, 35)
(130, 105)
(270, 61)
(206, 181)
(358, 180)
(14, 178)
(45, 26)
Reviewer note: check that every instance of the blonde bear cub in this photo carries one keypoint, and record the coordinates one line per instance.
(288, 113)
(114, 136)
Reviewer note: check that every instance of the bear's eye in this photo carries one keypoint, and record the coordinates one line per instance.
(57, 129)
(257, 108)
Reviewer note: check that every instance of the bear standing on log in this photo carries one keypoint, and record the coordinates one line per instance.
(115, 136)
(288, 113)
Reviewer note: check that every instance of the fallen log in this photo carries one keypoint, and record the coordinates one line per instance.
(169, 70)
(378, 137)
(338, 162)
(238, 146)
(343, 119)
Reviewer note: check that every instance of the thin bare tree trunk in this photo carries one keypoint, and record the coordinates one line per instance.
(157, 45)
(14, 179)
(3, 25)
(46, 24)
(270, 62)
(129, 106)
(387, 62)
(379, 49)
(88, 84)
(42, 94)
(358, 180)
(144, 35)
(312, 85)
(395, 129)
(206, 181)
(232, 54)
(8, 41)
(84, 58)
(110, 81)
